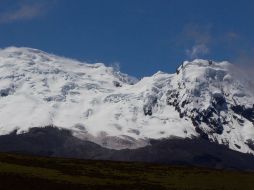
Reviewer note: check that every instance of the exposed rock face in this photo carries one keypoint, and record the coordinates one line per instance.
(247, 113)
(149, 105)
(214, 100)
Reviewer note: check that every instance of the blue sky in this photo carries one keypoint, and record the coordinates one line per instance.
(142, 36)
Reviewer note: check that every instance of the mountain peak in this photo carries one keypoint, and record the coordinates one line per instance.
(100, 104)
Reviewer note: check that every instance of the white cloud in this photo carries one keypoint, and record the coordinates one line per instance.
(197, 33)
(25, 11)
(197, 50)
(196, 40)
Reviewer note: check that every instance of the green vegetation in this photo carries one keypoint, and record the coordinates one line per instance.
(30, 172)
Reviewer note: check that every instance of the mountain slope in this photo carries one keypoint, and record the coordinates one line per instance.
(102, 105)
(54, 142)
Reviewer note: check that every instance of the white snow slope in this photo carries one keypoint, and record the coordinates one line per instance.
(102, 105)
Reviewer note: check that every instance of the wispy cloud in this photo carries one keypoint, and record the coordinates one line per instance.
(198, 37)
(240, 49)
(197, 50)
(232, 35)
(24, 10)
(197, 33)
(245, 57)
(201, 41)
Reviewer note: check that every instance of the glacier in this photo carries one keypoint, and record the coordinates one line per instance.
(97, 103)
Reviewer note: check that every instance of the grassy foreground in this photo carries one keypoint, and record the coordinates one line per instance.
(29, 172)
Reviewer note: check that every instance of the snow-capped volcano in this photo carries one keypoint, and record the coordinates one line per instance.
(102, 105)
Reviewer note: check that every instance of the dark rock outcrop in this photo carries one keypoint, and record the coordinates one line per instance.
(51, 141)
